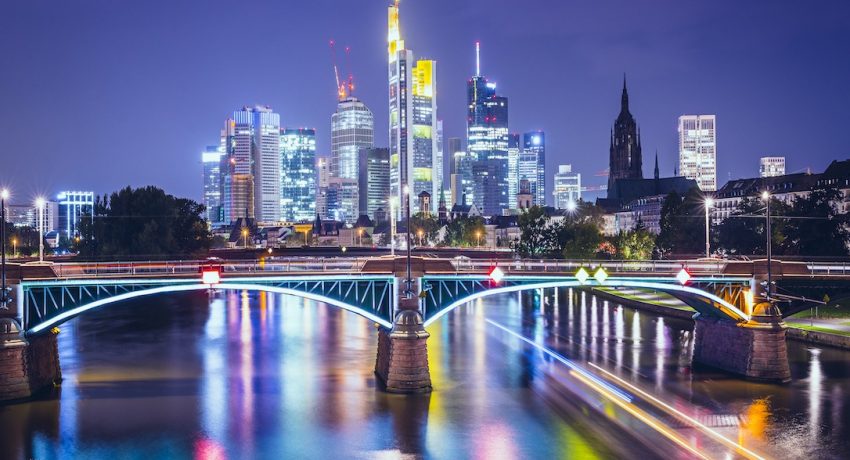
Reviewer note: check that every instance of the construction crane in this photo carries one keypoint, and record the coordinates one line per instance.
(341, 92)
(350, 88)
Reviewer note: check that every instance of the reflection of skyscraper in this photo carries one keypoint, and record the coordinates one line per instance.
(487, 143)
(532, 163)
(298, 174)
(625, 161)
(413, 117)
(698, 150)
(352, 129)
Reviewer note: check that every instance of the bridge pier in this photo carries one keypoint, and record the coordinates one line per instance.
(402, 361)
(754, 349)
(27, 365)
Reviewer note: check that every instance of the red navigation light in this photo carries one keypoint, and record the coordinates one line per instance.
(496, 274)
(211, 276)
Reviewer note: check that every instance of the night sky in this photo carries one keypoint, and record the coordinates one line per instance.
(95, 95)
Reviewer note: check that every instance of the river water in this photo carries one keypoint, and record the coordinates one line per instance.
(256, 375)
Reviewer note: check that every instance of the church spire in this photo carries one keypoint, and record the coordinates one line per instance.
(656, 164)
(624, 102)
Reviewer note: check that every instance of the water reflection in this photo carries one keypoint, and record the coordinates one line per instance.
(268, 376)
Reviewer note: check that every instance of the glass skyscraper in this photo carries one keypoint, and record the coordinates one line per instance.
(698, 150)
(567, 187)
(352, 129)
(412, 119)
(211, 158)
(532, 163)
(297, 174)
(513, 168)
(487, 144)
(374, 181)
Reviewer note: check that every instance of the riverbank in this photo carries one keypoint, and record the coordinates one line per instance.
(667, 305)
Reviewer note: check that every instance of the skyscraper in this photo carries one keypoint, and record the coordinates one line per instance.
(567, 187)
(72, 206)
(211, 158)
(298, 174)
(412, 118)
(352, 129)
(323, 171)
(532, 165)
(625, 161)
(771, 166)
(252, 180)
(698, 150)
(513, 165)
(374, 181)
(487, 142)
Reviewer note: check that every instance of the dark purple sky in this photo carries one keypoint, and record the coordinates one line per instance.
(97, 94)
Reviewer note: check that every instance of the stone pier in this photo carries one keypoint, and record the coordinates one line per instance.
(754, 349)
(27, 365)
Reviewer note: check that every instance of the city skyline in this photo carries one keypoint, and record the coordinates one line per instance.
(749, 97)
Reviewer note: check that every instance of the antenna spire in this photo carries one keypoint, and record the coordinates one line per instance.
(477, 59)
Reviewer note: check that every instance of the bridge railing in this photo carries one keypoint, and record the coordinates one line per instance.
(271, 265)
(828, 269)
(571, 266)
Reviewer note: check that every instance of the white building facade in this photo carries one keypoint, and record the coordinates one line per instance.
(698, 150)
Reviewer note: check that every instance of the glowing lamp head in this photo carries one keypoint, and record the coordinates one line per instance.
(683, 277)
(709, 202)
(497, 275)
(39, 202)
(582, 275)
(571, 206)
(210, 277)
(765, 195)
(4, 194)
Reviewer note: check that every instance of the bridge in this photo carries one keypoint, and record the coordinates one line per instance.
(725, 297)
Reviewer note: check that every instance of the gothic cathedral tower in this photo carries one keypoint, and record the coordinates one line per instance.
(625, 151)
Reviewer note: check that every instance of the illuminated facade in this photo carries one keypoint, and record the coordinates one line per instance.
(532, 163)
(698, 150)
(374, 182)
(72, 205)
(513, 164)
(252, 180)
(487, 144)
(771, 166)
(212, 160)
(352, 129)
(412, 119)
(567, 186)
(297, 174)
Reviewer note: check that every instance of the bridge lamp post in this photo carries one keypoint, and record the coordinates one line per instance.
(409, 292)
(39, 204)
(709, 203)
(765, 195)
(4, 195)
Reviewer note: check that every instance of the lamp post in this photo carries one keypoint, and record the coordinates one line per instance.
(4, 299)
(392, 229)
(709, 203)
(765, 195)
(409, 291)
(245, 238)
(478, 239)
(39, 204)
(14, 247)
(421, 235)
(360, 236)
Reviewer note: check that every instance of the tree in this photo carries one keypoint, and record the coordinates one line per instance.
(464, 231)
(743, 232)
(535, 235)
(144, 222)
(682, 218)
(815, 227)
(576, 239)
(425, 223)
(634, 244)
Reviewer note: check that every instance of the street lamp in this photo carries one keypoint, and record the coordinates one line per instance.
(765, 195)
(4, 299)
(421, 234)
(245, 237)
(709, 203)
(478, 239)
(409, 291)
(360, 236)
(14, 247)
(39, 204)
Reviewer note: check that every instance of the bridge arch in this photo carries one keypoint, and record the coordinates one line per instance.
(700, 300)
(75, 311)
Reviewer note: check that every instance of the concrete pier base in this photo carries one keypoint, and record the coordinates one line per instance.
(27, 366)
(754, 349)
(402, 362)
